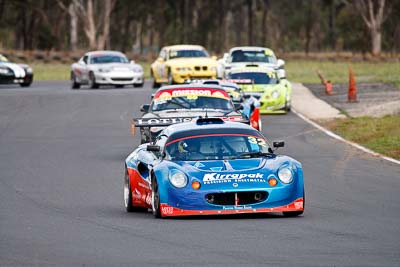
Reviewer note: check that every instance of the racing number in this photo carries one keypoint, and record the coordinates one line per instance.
(257, 141)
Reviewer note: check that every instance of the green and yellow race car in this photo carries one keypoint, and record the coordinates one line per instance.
(273, 93)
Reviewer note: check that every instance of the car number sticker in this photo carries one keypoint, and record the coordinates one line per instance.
(257, 141)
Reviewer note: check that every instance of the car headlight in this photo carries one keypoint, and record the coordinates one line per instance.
(275, 94)
(178, 179)
(138, 70)
(105, 69)
(183, 69)
(4, 70)
(29, 70)
(285, 175)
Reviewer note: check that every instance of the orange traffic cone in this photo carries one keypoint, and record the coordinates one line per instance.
(352, 93)
(327, 84)
(328, 88)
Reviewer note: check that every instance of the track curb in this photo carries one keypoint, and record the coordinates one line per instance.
(338, 137)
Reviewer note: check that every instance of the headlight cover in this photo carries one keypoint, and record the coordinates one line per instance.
(4, 70)
(285, 174)
(275, 94)
(105, 69)
(137, 69)
(29, 70)
(178, 179)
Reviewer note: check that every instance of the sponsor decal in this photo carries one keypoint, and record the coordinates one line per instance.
(167, 210)
(159, 121)
(198, 164)
(216, 178)
(191, 92)
(237, 207)
(216, 169)
(241, 81)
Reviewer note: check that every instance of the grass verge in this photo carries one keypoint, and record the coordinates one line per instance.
(378, 134)
(60, 71)
(297, 70)
(306, 71)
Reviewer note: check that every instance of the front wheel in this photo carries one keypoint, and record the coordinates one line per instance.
(92, 81)
(25, 84)
(74, 83)
(127, 193)
(170, 78)
(155, 84)
(155, 196)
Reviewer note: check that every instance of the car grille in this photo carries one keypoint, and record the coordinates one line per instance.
(198, 68)
(121, 79)
(237, 198)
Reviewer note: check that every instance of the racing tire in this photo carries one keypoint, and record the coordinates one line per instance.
(92, 81)
(170, 78)
(155, 198)
(288, 107)
(155, 84)
(27, 84)
(74, 83)
(129, 207)
(138, 85)
(127, 193)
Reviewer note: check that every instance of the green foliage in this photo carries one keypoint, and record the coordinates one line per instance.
(379, 134)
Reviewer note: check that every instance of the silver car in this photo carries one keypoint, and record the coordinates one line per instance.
(106, 67)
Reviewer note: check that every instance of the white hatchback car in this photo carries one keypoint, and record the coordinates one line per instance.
(106, 67)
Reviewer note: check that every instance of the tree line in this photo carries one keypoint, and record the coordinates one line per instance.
(144, 26)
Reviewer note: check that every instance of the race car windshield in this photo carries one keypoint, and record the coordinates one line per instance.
(187, 53)
(192, 102)
(252, 56)
(256, 77)
(219, 146)
(104, 59)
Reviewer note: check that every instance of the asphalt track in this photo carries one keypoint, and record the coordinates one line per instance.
(61, 178)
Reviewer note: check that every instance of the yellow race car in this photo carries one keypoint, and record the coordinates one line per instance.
(179, 63)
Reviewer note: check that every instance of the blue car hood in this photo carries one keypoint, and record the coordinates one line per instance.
(223, 174)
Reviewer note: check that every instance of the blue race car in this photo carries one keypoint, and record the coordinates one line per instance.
(210, 166)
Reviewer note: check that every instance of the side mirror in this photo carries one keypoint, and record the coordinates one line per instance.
(160, 59)
(132, 62)
(145, 108)
(153, 148)
(277, 144)
(152, 95)
(280, 63)
(238, 106)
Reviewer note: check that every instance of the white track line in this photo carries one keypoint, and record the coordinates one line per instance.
(338, 137)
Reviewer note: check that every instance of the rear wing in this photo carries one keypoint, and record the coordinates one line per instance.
(163, 122)
(156, 122)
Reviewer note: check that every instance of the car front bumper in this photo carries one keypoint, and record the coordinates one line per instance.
(120, 78)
